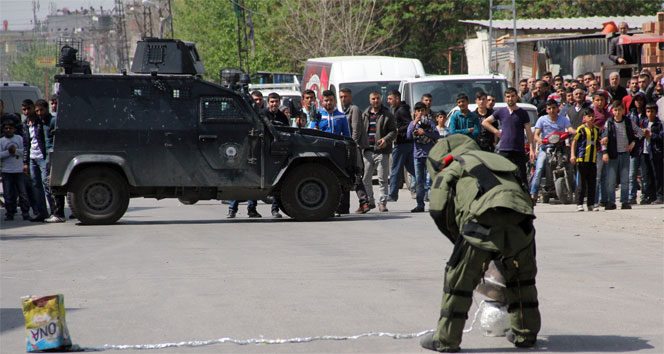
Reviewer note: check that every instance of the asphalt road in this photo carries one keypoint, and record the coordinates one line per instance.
(169, 273)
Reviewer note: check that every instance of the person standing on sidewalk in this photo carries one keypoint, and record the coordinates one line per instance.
(381, 131)
(357, 129)
(34, 142)
(276, 117)
(11, 160)
(402, 153)
(583, 153)
(514, 121)
(618, 140)
(424, 134)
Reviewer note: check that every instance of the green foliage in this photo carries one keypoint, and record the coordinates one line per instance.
(288, 32)
(212, 25)
(430, 28)
(579, 8)
(25, 69)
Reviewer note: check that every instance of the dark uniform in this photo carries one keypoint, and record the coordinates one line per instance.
(478, 203)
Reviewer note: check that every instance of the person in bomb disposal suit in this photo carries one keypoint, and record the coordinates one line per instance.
(477, 201)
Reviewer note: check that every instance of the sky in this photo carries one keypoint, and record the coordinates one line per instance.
(20, 16)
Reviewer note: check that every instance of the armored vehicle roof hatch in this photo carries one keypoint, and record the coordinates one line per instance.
(166, 56)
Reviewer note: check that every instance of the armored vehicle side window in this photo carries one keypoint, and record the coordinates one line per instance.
(179, 93)
(221, 109)
(140, 91)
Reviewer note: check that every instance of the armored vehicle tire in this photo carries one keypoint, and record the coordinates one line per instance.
(188, 201)
(310, 192)
(99, 196)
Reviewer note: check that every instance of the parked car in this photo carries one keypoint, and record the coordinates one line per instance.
(445, 88)
(13, 93)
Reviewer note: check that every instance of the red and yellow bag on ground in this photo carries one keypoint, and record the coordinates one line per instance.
(45, 325)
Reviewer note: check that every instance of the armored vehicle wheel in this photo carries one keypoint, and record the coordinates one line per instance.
(310, 192)
(188, 201)
(99, 196)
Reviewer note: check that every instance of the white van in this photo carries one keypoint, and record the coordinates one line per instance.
(361, 74)
(445, 88)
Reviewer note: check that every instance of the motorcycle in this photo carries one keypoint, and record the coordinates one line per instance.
(559, 172)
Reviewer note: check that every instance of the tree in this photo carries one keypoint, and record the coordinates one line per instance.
(288, 32)
(25, 69)
(430, 28)
(580, 8)
(312, 28)
(212, 26)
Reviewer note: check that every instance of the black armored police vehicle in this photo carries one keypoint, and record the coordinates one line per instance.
(163, 132)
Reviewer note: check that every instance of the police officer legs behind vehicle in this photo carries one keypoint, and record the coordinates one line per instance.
(478, 203)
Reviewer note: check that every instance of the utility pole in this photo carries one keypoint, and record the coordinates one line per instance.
(147, 22)
(242, 47)
(514, 48)
(170, 16)
(34, 18)
(121, 32)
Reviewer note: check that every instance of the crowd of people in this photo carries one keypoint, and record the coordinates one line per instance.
(24, 154)
(616, 136)
(616, 132)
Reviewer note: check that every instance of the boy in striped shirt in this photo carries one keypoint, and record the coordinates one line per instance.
(584, 154)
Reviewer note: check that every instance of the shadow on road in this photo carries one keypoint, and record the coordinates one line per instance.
(12, 318)
(15, 224)
(140, 208)
(39, 237)
(266, 219)
(578, 344)
(591, 343)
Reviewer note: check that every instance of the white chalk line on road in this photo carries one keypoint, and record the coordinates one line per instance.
(257, 341)
(260, 341)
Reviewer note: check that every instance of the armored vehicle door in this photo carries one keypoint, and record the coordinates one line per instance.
(230, 139)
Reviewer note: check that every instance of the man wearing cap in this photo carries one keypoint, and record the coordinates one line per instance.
(552, 122)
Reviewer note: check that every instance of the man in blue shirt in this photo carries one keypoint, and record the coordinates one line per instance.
(552, 122)
(514, 121)
(332, 120)
(464, 121)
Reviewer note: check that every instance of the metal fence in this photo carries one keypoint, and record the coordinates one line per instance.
(563, 52)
